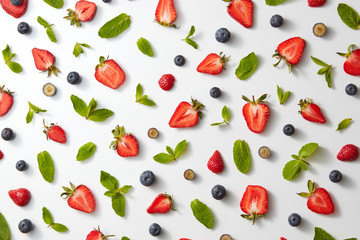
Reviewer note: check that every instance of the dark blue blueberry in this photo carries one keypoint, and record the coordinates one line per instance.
(25, 226)
(16, 2)
(21, 165)
(73, 77)
(276, 20)
(7, 134)
(218, 192)
(335, 176)
(288, 129)
(179, 60)
(215, 92)
(351, 89)
(154, 229)
(222, 35)
(294, 219)
(106, 1)
(23, 28)
(147, 178)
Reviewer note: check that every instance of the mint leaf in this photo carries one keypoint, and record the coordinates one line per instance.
(8, 56)
(125, 238)
(328, 76)
(143, 99)
(78, 48)
(163, 158)
(226, 117)
(191, 32)
(88, 112)
(108, 181)
(124, 189)
(115, 26)
(241, 154)
(202, 213)
(29, 116)
(51, 34)
(118, 204)
(293, 168)
(145, 47)
(349, 16)
(4, 228)
(47, 217)
(59, 227)
(170, 151)
(33, 109)
(79, 105)
(42, 22)
(343, 124)
(307, 150)
(55, 3)
(282, 97)
(46, 166)
(325, 70)
(110, 193)
(100, 115)
(86, 151)
(246, 66)
(321, 234)
(14, 66)
(173, 155)
(180, 148)
(319, 62)
(274, 2)
(188, 40)
(91, 107)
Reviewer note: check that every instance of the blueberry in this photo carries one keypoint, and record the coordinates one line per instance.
(179, 60)
(222, 35)
(154, 229)
(288, 129)
(21, 165)
(73, 77)
(218, 192)
(147, 178)
(25, 226)
(294, 219)
(335, 176)
(7, 134)
(106, 1)
(16, 2)
(23, 28)
(351, 89)
(215, 92)
(276, 20)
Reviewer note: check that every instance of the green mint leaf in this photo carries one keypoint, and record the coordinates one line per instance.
(295, 157)
(241, 154)
(349, 16)
(163, 158)
(180, 148)
(292, 169)
(59, 227)
(78, 48)
(115, 26)
(55, 3)
(147, 102)
(274, 2)
(91, 107)
(51, 34)
(110, 193)
(319, 62)
(125, 238)
(143, 99)
(217, 124)
(108, 181)
(84, 45)
(7, 54)
(246, 66)
(170, 151)
(225, 114)
(307, 150)
(14, 66)
(42, 22)
(29, 116)
(328, 76)
(118, 204)
(46, 166)
(351, 239)
(100, 115)
(124, 189)
(191, 32)
(343, 124)
(139, 91)
(145, 47)
(322, 70)
(285, 97)
(47, 217)
(4, 228)
(321, 234)
(279, 93)
(191, 42)
(35, 108)
(202, 213)
(86, 151)
(79, 105)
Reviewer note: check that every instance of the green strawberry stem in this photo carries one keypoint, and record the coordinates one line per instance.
(102, 235)
(101, 62)
(253, 101)
(166, 24)
(223, 59)
(68, 191)
(348, 53)
(2, 89)
(119, 133)
(52, 70)
(197, 106)
(278, 56)
(303, 103)
(311, 188)
(253, 216)
(73, 18)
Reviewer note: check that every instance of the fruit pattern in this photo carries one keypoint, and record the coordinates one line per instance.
(254, 202)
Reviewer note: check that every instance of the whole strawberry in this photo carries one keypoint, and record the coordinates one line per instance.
(349, 152)
(213, 64)
(291, 50)
(316, 3)
(254, 202)
(352, 63)
(96, 234)
(84, 12)
(44, 61)
(161, 204)
(6, 100)
(186, 114)
(166, 82)
(125, 144)
(55, 133)
(310, 111)
(256, 113)
(216, 163)
(20, 196)
(79, 198)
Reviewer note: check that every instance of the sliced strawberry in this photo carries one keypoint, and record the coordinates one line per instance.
(84, 12)
(80, 198)
(349, 152)
(310, 111)
(186, 114)
(291, 50)
(213, 64)
(352, 63)
(316, 3)
(6, 100)
(256, 113)
(44, 61)
(242, 11)
(161, 204)
(165, 13)
(96, 234)
(20, 196)
(254, 202)
(125, 144)
(216, 163)
(55, 133)
(15, 11)
(109, 73)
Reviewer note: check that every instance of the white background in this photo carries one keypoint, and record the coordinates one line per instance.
(207, 16)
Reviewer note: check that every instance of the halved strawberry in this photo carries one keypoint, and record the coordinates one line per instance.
(213, 64)
(216, 163)
(316, 3)
(254, 202)
(352, 63)
(125, 144)
(186, 114)
(15, 11)
(80, 198)
(6, 100)
(242, 11)
(165, 13)
(292, 50)
(256, 113)
(96, 234)
(161, 204)
(109, 73)
(55, 133)
(44, 61)
(310, 111)
(84, 12)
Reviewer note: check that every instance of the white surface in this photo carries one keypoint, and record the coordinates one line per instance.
(207, 16)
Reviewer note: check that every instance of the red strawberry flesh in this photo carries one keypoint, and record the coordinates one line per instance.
(256, 114)
(254, 202)
(242, 12)
(15, 11)
(161, 204)
(165, 13)
(186, 114)
(80, 198)
(212, 64)
(6, 101)
(321, 202)
(85, 10)
(349, 152)
(109, 73)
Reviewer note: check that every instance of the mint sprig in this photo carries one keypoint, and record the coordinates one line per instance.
(48, 219)
(46, 166)
(226, 117)
(33, 109)
(55, 3)
(274, 2)
(188, 39)
(326, 70)
(343, 124)
(241, 155)
(321, 234)
(115, 26)
(143, 99)
(202, 213)
(293, 168)
(282, 96)
(86, 151)
(4, 229)
(49, 30)
(78, 48)
(171, 155)
(246, 66)
(8, 56)
(145, 47)
(349, 16)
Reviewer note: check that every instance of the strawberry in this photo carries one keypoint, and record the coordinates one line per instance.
(166, 82)
(109, 73)
(291, 50)
(282, 238)
(254, 202)
(352, 63)
(96, 234)
(15, 11)
(44, 61)
(6, 100)
(161, 204)
(310, 111)
(316, 3)
(79, 198)
(55, 133)
(242, 12)
(186, 114)
(125, 144)
(256, 113)
(349, 152)
(20, 196)
(213, 64)
(1, 155)
(216, 163)
(84, 12)
(165, 13)
(319, 200)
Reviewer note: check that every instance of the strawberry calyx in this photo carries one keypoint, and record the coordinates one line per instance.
(165, 24)
(223, 59)
(68, 191)
(170, 199)
(47, 129)
(253, 216)
(72, 16)
(303, 103)
(52, 70)
(101, 62)
(277, 55)
(102, 235)
(197, 106)
(119, 133)
(255, 102)
(2, 90)
(347, 55)
(311, 188)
